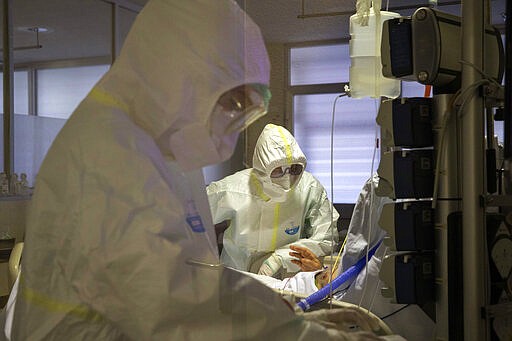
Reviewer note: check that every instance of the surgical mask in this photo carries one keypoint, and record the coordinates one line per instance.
(286, 182)
(199, 145)
(193, 148)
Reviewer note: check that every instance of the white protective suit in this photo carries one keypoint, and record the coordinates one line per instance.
(264, 217)
(411, 322)
(109, 254)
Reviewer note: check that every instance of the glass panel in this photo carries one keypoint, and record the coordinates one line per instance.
(354, 141)
(32, 137)
(60, 91)
(319, 64)
(20, 92)
(499, 131)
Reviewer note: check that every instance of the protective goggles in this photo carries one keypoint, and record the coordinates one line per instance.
(239, 107)
(295, 169)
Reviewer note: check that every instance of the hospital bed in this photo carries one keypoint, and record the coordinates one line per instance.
(293, 298)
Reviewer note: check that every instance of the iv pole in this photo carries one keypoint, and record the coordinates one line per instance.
(473, 174)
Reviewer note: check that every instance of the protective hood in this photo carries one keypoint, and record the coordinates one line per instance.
(174, 66)
(275, 147)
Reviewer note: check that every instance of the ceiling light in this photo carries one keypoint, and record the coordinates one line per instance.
(34, 29)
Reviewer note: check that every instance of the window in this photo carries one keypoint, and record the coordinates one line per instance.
(353, 145)
(315, 71)
(59, 91)
(318, 64)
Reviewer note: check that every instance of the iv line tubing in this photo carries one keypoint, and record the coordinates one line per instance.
(332, 185)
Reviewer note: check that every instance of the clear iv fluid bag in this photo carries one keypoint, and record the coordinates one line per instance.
(366, 79)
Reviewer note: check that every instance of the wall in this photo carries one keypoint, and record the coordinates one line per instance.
(277, 108)
(12, 216)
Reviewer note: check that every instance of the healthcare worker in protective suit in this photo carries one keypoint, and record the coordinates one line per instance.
(118, 236)
(364, 289)
(272, 206)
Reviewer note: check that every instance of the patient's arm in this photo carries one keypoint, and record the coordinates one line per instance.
(322, 278)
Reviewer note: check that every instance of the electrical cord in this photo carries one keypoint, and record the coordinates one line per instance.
(460, 94)
(395, 312)
(485, 75)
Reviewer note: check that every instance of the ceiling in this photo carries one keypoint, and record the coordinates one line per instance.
(81, 28)
(280, 21)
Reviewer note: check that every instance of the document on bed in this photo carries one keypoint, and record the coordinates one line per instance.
(301, 283)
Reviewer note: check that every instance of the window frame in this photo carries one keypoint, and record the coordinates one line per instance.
(292, 90)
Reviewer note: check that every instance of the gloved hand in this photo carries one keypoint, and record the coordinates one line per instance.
(344, 319)
(270, 266)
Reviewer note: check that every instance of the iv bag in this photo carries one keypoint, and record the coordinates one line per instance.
(366, 79)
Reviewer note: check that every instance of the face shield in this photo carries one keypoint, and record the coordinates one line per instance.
(234, 111)
(199, 144)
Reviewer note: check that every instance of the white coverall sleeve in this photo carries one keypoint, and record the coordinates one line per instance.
(215, 197)
(320, 232)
